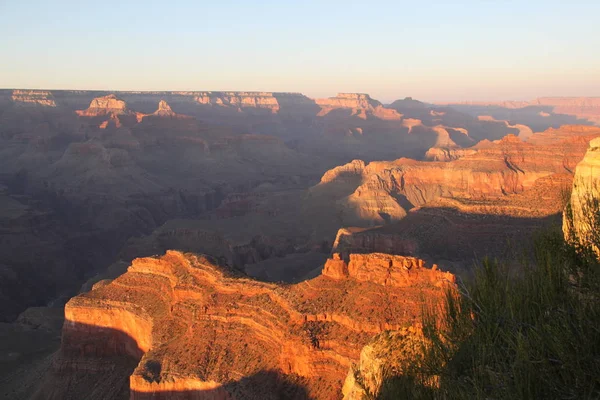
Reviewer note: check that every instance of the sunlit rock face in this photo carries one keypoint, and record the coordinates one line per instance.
(33, 97)
(195, 326)
(164, 110)
(388, 351)
(349, 100)
(263, 100)
(104, 105)
(383, 191)
(361, 105)
(580, 221)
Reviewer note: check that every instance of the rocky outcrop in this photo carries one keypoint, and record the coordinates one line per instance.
(110, 112)
(105, 105)
(164, 110)
(386, 353)
(383, 269)
(195, 326)
(164, 114)
(580, 221)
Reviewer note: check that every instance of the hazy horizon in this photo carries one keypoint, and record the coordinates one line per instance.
(436, 53)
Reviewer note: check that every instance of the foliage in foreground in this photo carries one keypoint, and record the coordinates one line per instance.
(535, 335)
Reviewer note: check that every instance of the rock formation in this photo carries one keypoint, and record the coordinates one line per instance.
(386, 190)
(105, 105)
(261, 100)
(360, 104)
(164, 110)
(580, 222)
(194, 326)
(388, 351)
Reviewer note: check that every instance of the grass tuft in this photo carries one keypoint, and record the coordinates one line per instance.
(527, 334)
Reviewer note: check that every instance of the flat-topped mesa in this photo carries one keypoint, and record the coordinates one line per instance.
(349, 100)
(33, 97)
(192, 324)
(105, 105)
(261, 100)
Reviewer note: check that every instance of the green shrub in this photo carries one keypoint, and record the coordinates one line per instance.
(533, 333)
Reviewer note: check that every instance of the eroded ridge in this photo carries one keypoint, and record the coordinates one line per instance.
(199, 327)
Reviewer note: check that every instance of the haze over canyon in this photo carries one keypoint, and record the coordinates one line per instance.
(259, 245)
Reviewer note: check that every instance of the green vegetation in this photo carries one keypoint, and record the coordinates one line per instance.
(527, 334)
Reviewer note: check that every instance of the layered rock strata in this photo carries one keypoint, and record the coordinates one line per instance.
(197, 328)
(382, 192)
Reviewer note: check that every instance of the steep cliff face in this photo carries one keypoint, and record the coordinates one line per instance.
(580, 221)
(196, 327)
(490, 173)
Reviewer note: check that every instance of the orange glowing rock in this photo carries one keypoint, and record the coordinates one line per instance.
(196, 326)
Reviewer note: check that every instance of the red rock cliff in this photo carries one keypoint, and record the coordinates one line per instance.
(196, 327)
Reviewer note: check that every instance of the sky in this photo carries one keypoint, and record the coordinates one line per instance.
(434, 51)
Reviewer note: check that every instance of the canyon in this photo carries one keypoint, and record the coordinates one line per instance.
(251, 244)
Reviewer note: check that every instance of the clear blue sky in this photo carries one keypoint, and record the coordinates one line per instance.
(436, 50)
